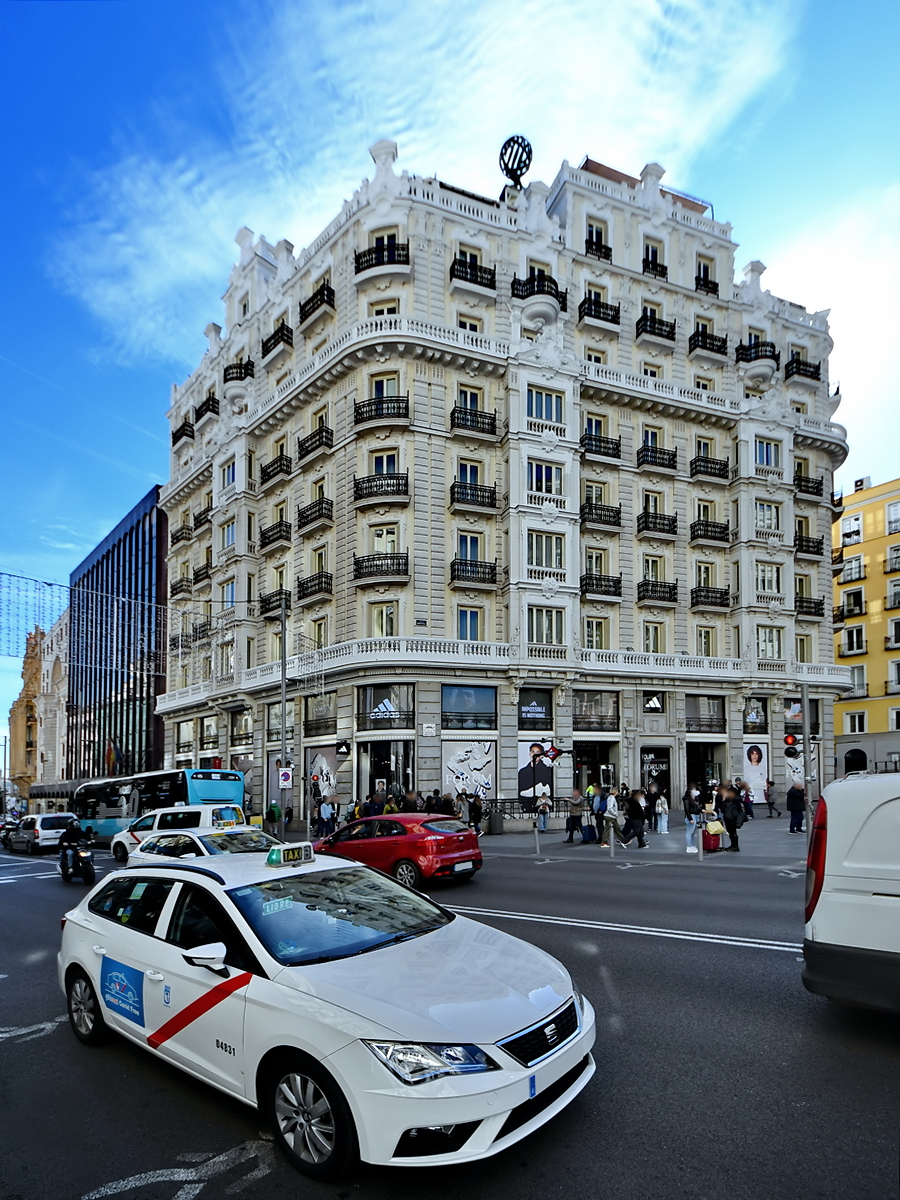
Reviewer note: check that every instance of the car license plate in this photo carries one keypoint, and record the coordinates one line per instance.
(466, 866)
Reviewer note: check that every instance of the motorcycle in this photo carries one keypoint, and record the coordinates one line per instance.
(82, 862)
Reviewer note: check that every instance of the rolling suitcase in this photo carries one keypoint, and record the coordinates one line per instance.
(711, 842)
(588, 832)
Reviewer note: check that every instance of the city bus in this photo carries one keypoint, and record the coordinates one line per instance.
(109, 805)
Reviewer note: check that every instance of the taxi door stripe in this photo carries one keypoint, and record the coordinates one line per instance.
(201, 1005)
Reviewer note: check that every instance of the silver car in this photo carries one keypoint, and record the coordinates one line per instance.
(36, 834)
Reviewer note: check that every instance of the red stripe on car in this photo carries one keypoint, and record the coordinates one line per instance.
(202, 1005)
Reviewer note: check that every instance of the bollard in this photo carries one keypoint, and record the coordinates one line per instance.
(537, 838)
(700, 828)
(612, 840)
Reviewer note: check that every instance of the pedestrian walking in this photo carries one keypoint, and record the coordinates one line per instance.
(598, 807)
(273, 816)
(661, 813)
(734, 817)
(326, 818)
(611, 822)
(574, 820)
(636, 817)
(462, 807)
(652, 813)
(475, 813)
(691, 803)
(795, 803)
(772, 798)
(745, 791)
(288, 816)
(543, 812)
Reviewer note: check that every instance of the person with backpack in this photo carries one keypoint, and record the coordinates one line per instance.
(273, 816)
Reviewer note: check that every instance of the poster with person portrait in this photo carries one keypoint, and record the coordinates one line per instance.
(535, 778)
(469, 766)
(755, 769)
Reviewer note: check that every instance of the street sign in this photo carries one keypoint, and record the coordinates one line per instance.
(342, 748)
(285, 778)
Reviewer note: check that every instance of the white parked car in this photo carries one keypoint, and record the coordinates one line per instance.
(40, 833)
(188, 843)
(851, 945)
(364, 1020)
(180, 816)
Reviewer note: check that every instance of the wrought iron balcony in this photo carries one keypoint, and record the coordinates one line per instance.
(657, 269)
(372, 487)
(279, 532)
(809, 484)
(209, 742)
(656, 522)
(716, 468)
(314, 585)
(540, 285)
(320, 510)
(809, 606)
(181, 586)
(595, 443)
(202, 631)
(474, 420)
(314, 727)
(372, 566)
(478, 495)
(837, 556)
(270, 602)
(283, 335)
(469, 272)
(804, 544)
(599, 723)
(465, 570)
(281, 464)
(802, 368)
(322, 297)
(382, 256)
(207, 407)
(601, 514)
(756, 351)
(838, 616)
(702, 339)
(853, 651)
(201, 573)
(702, 283)
(203, 517)
(184, 430)
(180, 641)
(321, 437)
(381, 408)
(710, 531)
(710, 597)
(598, 249)
(593, 584)
(654, 326)
(891, 565)
(239, 371)
(655, 589)
(704, 724)
(591, 306)
(183, 533)
(378, 718)
(656, 456)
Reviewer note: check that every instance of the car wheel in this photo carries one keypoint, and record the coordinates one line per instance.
(311, 1118)
(120, 854)
(29, 847)
(88, 874)
(85, 1016)
(406, 873)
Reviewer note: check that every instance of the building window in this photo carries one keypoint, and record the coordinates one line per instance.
(596, 633)
(803, 648)
(893, 558)
(384, 385)
(768, 454)
(470, 398)
(546, 550)
(319, 633)
(704, 714)
(545, 626)
(544, 477)
(384, 539)
(383, 619)
(228, 474)
(705, 574)
(768, 516)
(386, 706)
(469, 324)
(184, 737)
(854, 569)
(464, 706)
(652, 371)
(851, 530)
(768, 641)
(468, 472)
(228, 535)
(470, 255)
(802, 585)
(651, 436)
(535, 708)
(384, 308)
(596, 232)
(855, 722)
(595, 493)
(226, 659)
(892, 517)
(653, 567)
(858, 684)
(469, 547)
(595, 562)
(273, 722)
(706, 641)
(704, 384)
(855, 639)
(595, 711)
(226, 594)
(469, 623)
(654, 638)
(593, 355)
(653, 502)
(768, 578)
(545, 406)
(854, 602)
(756, 715)
(595, 426)
(385, 464)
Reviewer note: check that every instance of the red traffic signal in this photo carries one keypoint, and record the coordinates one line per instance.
(792, 747)
(790, 739)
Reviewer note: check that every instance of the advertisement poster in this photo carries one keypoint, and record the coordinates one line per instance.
(755, 769)
(535, 770)
(469, 766)
(321, 761)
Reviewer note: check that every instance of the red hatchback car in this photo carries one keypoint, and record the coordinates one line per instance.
(409, 846)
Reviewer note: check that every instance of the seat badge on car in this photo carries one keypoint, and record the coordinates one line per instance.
(552, 1035)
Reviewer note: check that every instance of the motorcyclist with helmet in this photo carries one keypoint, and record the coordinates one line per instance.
(69, 841)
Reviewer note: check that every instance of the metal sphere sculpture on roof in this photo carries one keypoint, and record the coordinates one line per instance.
(515, 158)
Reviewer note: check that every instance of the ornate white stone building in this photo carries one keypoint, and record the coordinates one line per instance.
(51, 703)
(522, 469)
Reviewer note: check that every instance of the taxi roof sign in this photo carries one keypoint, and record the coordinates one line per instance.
(290, 856)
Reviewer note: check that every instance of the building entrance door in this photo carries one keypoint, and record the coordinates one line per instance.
(597, 763)
(387, 764)
(705, 762)
(655, 768)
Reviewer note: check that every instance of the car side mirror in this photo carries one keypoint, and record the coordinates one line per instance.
(211, 956)
(190, 854)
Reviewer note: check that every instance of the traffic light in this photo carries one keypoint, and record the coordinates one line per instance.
(791, 746)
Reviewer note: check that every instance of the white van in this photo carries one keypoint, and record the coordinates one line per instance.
(851, 945)
(181, 816)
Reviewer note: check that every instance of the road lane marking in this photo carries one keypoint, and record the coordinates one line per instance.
(196, 1178)
(27, 1033)
(684, 935)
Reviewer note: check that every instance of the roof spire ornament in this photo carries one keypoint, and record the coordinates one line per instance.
(515, 158)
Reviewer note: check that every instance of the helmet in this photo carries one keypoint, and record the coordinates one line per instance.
(74, 823)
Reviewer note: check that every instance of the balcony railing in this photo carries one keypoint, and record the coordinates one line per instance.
(372, 486)
(469, 272)
(892, 687)
(656, 456)
(315, 585)
(602, 723)
(853, 651)
(369, 566)
(207, 407)
(181, 587)
(837, 555)
(243, 738)
(321, 436)
(704, 284)
(471, 418)
(650, 324)
(201, 573)
(799, 366)
(705, 597)
(593, 584)
(203, 517)
(852, 574)
(239, 371)
(704, 724)
(756, 351)
(183, 533)
(891, 602)
(201, 631)
(283, 335)
(184, 430)
(320, 510)
(209, 741)
(891, 565)
(322, 297)
(598, 249)
(465, 570)
(601, 514)
(279, 531)
(477, 494)
(180, 641)
(892, 643)
(540, 285)
(655, 522)
(838, 616)
(702, 339)
(809, 606)
(595, 443)
(655, 589)
(380, 408)
(282, 464)
(270, 602)
(394, 718)
(804, 544)
(382, 256)
(319, 726)
(657, 269)
(717, 468)
(710, 531)
(592, 306)
(809, 484)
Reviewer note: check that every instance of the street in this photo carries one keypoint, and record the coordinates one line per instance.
(718, 1075)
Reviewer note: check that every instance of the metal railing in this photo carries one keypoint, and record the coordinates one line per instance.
(656, 522)
(704, 725)
(649, 323)
(473, 419)
(601, 514)
(469, 272)
(656, 589)
(203, 517)
(804, 544)
(239, 371)
(319, 726)
(201, 631)
(596, 724)
(370, 487)
(209, 406)
(710, 531)
(314, 585)
(479, 495)
(592, 584)
(810, 485)
(282, 464)
(656, 456)
(799, 366)
(706, 597)
(593, 306)
(322, 297)
(598, 249)
(595, 443)
(369, 566)
(393, 253)
(320, 510)
(380, 408)
(181, 587)
(809, 606)
(396, 718)
(184, 430)
(657, 269)
(756, 351)
(704, 284)
(279, 531)
(201, 573)
(321, 437)
(283, 335)
(182, 533)
(539, 285)
(270, 602)
(466, 570)
(702, 339)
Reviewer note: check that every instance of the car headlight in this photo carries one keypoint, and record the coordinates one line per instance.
(579, 996)
(414, 1062)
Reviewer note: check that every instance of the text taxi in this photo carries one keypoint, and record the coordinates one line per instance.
(363, 1019)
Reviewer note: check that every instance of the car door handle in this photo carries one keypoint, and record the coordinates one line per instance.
(156, 976)
(99, 949)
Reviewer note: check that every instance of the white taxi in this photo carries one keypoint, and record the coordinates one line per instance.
(364, 1020)
(243, 839)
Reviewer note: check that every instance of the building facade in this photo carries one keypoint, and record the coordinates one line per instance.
(52, 703)
(866, 558)
(117, 636)
(23, 721)
(521, 470)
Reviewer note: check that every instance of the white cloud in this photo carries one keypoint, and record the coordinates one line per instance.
(306, 88)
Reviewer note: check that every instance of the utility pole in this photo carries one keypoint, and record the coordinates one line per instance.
(808, 778)
(3, 780)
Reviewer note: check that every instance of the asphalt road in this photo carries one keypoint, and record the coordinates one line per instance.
(718, 1075)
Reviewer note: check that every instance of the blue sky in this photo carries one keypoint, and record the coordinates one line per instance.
(137, 139)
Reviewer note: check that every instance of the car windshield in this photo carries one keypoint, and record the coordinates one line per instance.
(323, 915)
(56, 822)
(243, 842)
(451, 825)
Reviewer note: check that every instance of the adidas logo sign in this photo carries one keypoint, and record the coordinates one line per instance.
(384, 710)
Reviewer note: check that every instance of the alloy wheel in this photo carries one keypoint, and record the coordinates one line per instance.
(82, 1007)
(305, 1119)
